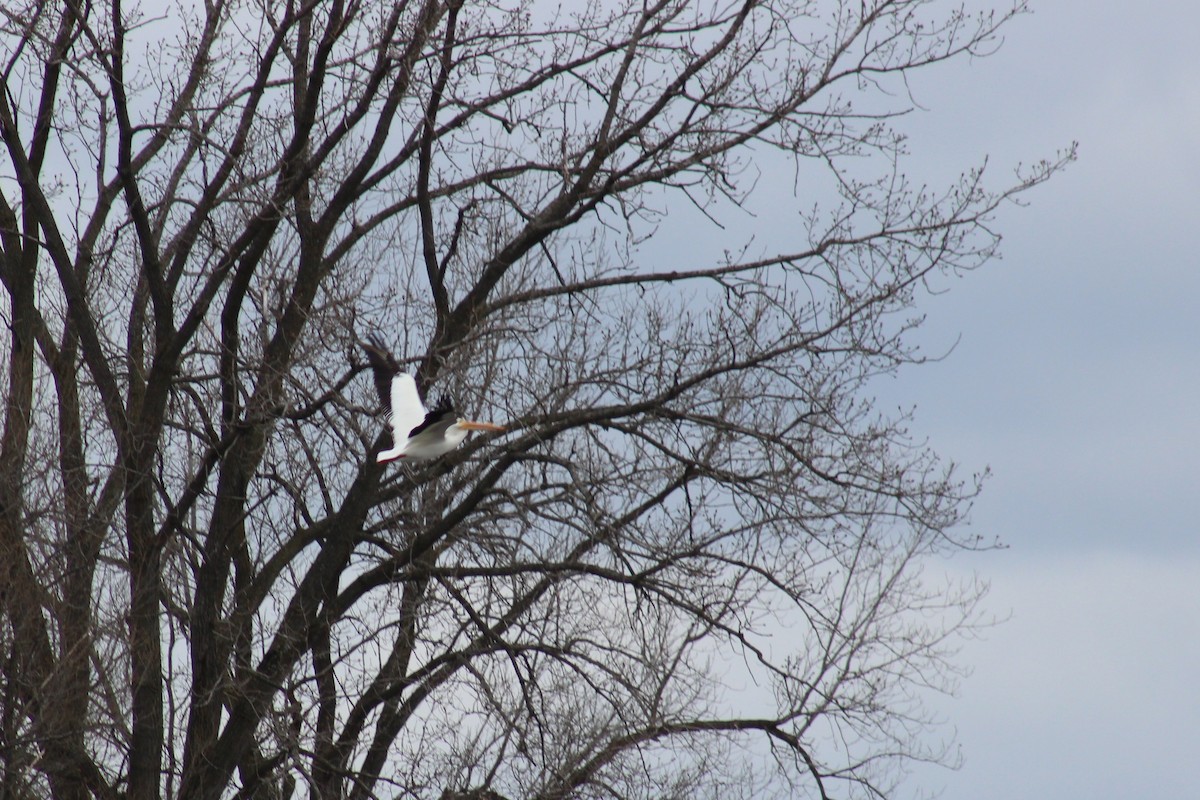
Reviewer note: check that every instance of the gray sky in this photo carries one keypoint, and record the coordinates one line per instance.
(1076, 380)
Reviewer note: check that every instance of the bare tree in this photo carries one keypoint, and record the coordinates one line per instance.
(692, 566)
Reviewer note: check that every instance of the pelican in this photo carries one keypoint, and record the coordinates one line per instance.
(417, 433)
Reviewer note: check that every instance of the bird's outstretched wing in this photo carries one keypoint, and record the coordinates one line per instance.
(408, 413)
(397, 390)
(437, 419)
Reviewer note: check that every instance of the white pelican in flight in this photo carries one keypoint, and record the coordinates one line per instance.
(417, 434)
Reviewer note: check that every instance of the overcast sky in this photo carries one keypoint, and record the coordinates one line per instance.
(1076, 380)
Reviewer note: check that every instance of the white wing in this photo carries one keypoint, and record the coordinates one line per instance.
(407, 410)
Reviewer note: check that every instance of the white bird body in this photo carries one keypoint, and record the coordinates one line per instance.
(417, 433)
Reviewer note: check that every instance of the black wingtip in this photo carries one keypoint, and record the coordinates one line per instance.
(443, 412)
(378, 355)
(444, 406)
(383, 365)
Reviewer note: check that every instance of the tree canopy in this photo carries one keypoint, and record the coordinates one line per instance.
(691, 567)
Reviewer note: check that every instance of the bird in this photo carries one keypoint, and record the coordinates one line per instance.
(417, 434)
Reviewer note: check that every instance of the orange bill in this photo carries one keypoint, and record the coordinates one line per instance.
(480, 426)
